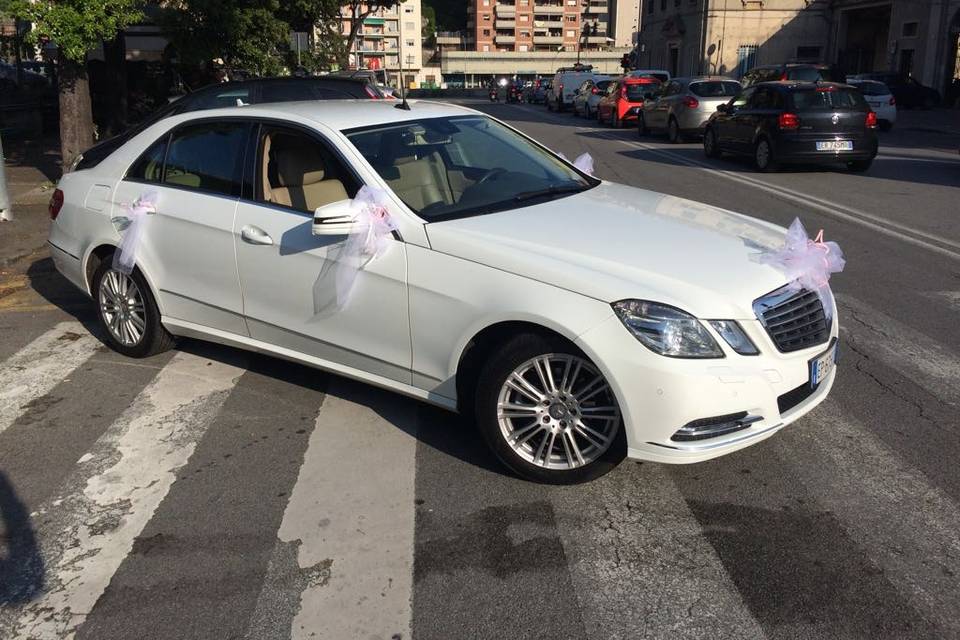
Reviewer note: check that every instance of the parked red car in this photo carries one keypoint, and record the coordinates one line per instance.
(624, 99)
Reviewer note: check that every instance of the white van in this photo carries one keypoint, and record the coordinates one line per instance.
(565, 81)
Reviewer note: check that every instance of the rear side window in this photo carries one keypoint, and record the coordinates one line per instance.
(637, 92)
(715, 89)
(149, 166)
(814, 99)
(603, 84)
(871, 88)
(208, 157)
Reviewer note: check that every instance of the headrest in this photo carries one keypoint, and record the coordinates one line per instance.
(297, 165)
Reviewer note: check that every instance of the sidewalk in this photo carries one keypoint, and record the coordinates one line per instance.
(935, 129)
(32, 168)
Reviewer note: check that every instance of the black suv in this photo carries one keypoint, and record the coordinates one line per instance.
(229, 94)
(795, 122)
(802, 72)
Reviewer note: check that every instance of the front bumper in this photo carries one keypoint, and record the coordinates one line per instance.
(659, 395)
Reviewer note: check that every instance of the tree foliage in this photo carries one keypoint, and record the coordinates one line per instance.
(358, 11)
(76, 26)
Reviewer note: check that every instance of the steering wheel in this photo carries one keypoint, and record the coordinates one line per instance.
(489, 175)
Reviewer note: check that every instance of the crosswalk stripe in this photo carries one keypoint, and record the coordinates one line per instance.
(641, 565)
(40, 366)
(351, 513)
(907, 526)
(906, 350)
(90, 528)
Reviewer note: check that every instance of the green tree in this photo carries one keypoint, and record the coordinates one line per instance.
(357, 12)
(321, 18)
(76, 27)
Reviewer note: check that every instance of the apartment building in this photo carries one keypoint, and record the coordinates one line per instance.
(537, 25)
(387, 38)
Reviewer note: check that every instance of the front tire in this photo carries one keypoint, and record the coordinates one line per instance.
(711, 145)
(548, 413)
(673, 131)
(128, 313)
(642, 130)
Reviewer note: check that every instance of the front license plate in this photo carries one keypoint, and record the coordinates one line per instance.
(822, 365)
(835, 145)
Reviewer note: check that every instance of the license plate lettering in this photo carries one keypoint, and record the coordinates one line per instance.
(822, 366)
(835, 145)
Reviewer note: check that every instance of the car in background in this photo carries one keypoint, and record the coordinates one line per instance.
(800, 71)
(880, 99)
(908, 92)
(624, 99)
(565, 82)
(683, 106)
(588, 95)
(660, 74)
(795, 122)
(549, 306)
(536, 93)
(233, 94)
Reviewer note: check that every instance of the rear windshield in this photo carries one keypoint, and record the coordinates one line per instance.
(715, 89)
(603, 84)
(871, 88)
(812, 99)
(635, 92)
(812, 74)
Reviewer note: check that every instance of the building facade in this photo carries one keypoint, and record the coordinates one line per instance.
(387, 38)
(537, 25)
(690, 37)
(625, 23)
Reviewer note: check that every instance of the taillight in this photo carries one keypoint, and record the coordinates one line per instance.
(561, 88)
(370, 92)
(789, 121)
(690, 102)
(595, 91)
(783, 76)
(623, 91)
(871, 120)
(56, 203)
(893, 101)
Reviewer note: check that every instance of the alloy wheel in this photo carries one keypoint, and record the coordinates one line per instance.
(122, 308)
(763, 154)
(557, 411)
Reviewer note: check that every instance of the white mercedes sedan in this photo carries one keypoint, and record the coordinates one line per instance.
(576, 320)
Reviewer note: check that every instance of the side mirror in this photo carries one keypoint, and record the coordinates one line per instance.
(334, 219)
(723, 108)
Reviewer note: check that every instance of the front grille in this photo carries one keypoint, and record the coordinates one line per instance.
(713, 427)
(794, 320)
(794, 397)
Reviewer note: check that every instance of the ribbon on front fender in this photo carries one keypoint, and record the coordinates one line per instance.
(806, 263)
(132, 230)
(370, 237)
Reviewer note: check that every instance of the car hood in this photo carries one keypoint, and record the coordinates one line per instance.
(614, 242)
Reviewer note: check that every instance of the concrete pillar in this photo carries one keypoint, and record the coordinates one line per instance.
(6, 207)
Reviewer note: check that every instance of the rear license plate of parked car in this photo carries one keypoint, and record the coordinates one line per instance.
(822, 365)
(835, 145)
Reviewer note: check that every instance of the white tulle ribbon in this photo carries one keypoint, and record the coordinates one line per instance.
(806, 263)
(6, 215)
(135, 219)
(371, 234)
(584, 162)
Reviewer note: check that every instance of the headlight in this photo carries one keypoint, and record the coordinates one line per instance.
(667, 330)
(732, 332)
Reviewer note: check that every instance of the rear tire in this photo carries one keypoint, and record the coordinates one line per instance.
(127, 313)
(548, 453)
(673, 131)
(642, 130)
(859, 166)
(763, 158)
(711, 145)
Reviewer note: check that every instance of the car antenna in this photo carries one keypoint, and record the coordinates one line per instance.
(403, 91)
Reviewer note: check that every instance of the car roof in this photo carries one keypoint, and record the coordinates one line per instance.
(800, 84)
(337, 114)
(706, 79)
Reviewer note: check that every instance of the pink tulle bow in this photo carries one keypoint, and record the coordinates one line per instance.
(806, 263)
(584, 162)
(126, 255)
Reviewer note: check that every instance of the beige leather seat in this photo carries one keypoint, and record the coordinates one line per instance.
(295, 175)
(419, 180)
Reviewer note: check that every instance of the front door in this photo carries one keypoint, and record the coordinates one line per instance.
(286, 301)
(187, 247)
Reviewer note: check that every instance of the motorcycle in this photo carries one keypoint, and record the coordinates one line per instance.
(514, 94)
(494, 95)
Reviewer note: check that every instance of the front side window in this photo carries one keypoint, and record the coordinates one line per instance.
(742, 99)
(464, 165)
(207, 157)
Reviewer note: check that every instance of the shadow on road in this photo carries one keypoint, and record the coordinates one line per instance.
(21, 566)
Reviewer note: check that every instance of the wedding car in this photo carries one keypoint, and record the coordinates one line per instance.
(576, 320)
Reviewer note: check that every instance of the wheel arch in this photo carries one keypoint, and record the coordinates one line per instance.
(104, 251)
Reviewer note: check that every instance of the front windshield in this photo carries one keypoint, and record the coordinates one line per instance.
(465, 165)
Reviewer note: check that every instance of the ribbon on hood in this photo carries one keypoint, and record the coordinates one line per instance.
(370, 237)
(806, 263)
(132, 230)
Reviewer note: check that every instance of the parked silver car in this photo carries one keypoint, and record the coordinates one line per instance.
(683, 105)
(588, 95)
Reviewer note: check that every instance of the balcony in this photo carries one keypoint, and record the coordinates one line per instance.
(547, 39)
(596, 40)
(548, 9)
(596, 9)
(506, 12)
(506, 24)
(505, 39)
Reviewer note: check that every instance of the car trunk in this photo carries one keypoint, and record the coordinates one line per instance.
(830, 111)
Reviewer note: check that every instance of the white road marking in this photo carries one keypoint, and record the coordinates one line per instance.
(40, 366)
(640, 564)
(352, 513)
(910, 352)
(952, 298)
(91, 526)
(904, 525)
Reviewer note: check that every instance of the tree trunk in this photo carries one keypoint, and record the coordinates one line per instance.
(355, 23)
(76, 114)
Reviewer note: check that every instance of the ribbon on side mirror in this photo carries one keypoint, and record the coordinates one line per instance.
(806, 263)
(370, 237)
(131, 227)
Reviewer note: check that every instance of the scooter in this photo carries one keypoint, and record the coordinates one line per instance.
(494, 94)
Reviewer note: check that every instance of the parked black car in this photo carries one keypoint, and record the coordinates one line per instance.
(795, 122)
(228, 94)
(908, 92)
(803, 72)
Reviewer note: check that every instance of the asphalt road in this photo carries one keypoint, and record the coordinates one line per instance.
(211, 493)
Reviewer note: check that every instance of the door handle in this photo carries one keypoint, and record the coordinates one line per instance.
(255, 235)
